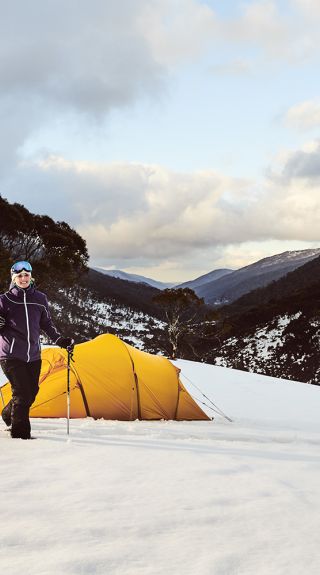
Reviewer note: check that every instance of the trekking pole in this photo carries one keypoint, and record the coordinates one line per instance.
(70, 357)
(2, 397)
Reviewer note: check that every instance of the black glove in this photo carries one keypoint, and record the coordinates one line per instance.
(65, 342)
(2, 322)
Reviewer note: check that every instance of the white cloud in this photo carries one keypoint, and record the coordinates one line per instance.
(177, 30)
(92, 57)
(76, 61)
(136, 216)
(273, 32)
(310, 8)
(62, 60)
(304, 116)
(88, 57)
(233, 68)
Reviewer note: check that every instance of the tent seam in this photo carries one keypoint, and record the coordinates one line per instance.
(83, 395)
(135, 379)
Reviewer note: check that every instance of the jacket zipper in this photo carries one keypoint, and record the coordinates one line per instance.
(28, 330)
(12, 344)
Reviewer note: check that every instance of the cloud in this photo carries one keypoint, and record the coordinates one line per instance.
(168, 26)
(61, 57)
(303, 116)
(75, 62)
(309, 8)
(91, 59)
(270, 32)
(299, 167)
(260, 22)
(66, 60)
(233, 68)
(294, 196)
(137, 214)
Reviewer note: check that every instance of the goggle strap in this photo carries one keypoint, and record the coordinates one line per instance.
(21, 266)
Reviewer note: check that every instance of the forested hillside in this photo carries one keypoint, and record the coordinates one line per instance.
(275, 330)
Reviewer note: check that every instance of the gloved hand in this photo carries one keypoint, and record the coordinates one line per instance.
(2, 322)
(65, 342)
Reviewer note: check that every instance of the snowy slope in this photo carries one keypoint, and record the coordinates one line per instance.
(178, 498)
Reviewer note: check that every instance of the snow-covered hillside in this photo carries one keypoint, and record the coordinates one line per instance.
(178, 498)
(288, 346)
(90, 316)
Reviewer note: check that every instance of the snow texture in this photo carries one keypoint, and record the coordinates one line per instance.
(178, 498)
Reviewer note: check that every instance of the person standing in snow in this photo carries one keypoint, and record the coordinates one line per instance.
(23, 314)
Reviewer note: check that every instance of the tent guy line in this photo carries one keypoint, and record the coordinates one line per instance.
(215, 407)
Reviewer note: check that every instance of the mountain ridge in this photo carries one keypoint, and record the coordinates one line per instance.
(135, 278)
(259, 274)
(205, 278)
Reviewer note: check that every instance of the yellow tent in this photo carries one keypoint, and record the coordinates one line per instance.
(112, 380)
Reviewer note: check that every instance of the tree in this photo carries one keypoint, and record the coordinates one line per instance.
(5, 263)
(54, 248)
(181, 308)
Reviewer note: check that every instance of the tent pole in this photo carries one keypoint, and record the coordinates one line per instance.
(70, 357)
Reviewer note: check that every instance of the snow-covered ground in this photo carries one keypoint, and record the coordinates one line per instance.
(174, 498)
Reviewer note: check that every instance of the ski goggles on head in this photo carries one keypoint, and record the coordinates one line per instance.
(21, 266)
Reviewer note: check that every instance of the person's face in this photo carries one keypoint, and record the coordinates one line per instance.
(23, 279)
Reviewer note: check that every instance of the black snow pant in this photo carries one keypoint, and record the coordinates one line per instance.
(24, 380)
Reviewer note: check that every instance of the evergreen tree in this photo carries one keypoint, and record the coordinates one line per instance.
(53, 248)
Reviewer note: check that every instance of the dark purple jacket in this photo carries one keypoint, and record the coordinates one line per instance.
(26, 313)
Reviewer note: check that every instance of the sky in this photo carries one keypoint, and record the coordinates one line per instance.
(176, 136)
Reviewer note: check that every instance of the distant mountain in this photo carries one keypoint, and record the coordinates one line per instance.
(232, 285)
(134, 278)
(275, 330)
(136, 295)
(294, 287)
(205, 279)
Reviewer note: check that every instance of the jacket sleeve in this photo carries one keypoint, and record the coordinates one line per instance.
(2, 309)
(46, 323)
